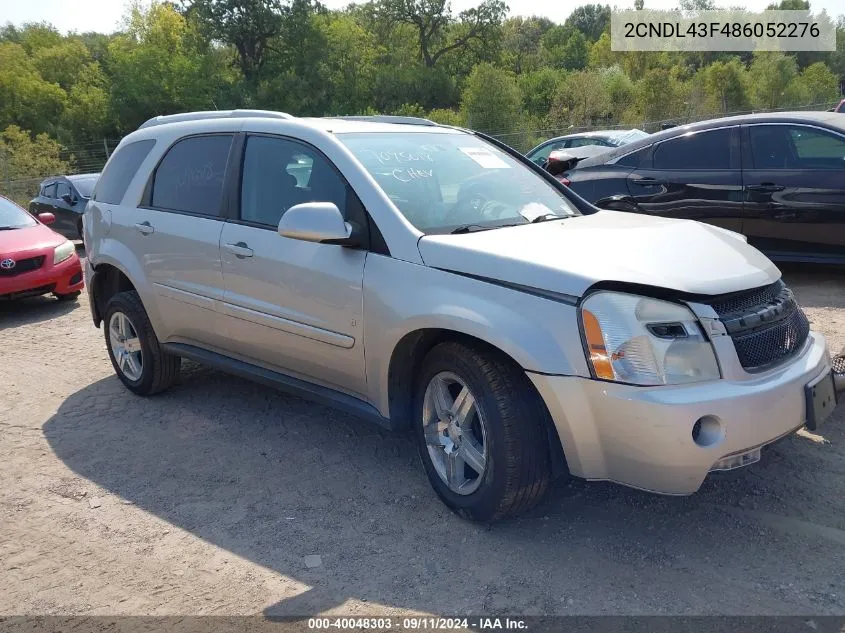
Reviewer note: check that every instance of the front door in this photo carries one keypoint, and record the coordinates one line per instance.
(293, 305)
(794, 178)
(695, 177)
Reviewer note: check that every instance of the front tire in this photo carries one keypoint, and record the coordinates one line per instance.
(480, 429)
(71, 296)
(135, 352)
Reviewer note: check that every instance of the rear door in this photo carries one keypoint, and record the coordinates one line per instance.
(175, 233)
(794, 179)
(696, 176)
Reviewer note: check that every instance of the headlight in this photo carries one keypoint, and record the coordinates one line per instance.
(645, 341)
(63, 251)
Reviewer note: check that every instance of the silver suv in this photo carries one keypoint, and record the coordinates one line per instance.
(430, 278)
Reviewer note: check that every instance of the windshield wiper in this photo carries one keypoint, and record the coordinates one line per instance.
(471, 228)
(547, 217)
(8, 228)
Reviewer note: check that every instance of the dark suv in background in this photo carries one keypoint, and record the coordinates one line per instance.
(65, 197)
(777, 178)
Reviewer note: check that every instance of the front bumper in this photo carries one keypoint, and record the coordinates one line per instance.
(643, 436)
(62, 278)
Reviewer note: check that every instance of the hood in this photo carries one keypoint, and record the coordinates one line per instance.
(31, 238)
(568, 256)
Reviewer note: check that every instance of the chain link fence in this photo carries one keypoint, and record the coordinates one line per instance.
(91, 156)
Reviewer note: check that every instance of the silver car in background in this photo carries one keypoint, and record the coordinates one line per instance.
(429, 278)
(595, 138)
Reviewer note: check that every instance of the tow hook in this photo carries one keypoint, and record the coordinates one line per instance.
(838, 365)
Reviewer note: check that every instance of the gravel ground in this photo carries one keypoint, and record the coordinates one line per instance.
(208, 499)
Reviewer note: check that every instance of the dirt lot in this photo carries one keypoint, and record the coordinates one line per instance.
(207, 499)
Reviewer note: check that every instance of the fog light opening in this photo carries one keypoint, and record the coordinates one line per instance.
(707, 431)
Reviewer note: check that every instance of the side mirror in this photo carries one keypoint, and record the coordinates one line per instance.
(68, 199)
(317, 222)
(46, 218)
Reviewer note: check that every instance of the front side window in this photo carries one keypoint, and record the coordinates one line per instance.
(709, 150)
(279, 173)
(190, 176)
(795, 147)
(13, 217)
(441, 181)
(62, 189)
(119, 171)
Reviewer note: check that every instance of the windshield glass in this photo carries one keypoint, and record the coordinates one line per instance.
(444, 181)
(84, 186)
(13, 217)
(629, 137)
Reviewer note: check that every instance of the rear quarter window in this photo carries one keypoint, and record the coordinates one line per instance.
(120, 170)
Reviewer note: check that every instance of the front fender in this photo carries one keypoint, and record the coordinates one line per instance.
(540, 334)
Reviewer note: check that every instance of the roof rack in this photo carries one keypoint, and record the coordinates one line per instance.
(386, 118)
(213, 114)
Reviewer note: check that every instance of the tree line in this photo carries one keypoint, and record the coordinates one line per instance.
(521, 78)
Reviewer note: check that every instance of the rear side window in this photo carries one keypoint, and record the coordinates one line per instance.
(120, 170)
(190, 176)
(49, 191)
(710, 150)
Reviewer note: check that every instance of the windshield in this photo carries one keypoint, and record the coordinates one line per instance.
(85, 186)
(13, 217)
(441, 182)
(629, 137)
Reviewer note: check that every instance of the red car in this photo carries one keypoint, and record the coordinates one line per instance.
(34, 259)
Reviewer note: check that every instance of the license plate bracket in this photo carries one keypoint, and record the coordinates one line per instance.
(820, 396)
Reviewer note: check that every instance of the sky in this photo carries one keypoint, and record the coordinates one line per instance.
(105, 15)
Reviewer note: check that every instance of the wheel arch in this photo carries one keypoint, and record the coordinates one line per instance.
(406, 361)
(108, 279)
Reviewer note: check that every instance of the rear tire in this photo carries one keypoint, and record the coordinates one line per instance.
(79, 228)
(505, 432)
(71, 296)
(135, 352)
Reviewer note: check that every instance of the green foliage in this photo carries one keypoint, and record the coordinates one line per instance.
(772, 75)
(25, 158)
(590, 19)
(726, 85)
(522, 78)
(446, 117)
(565, 47)
(26, 99)
(248, 25)
(820, 84)
(160, 66)
(491, 100)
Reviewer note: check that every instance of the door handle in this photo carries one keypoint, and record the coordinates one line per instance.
(766, 187)
(240, 250)
(145, 228)
(647, 182)
(785, 215)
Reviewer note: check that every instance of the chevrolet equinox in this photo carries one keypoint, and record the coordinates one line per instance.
(431, 278)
